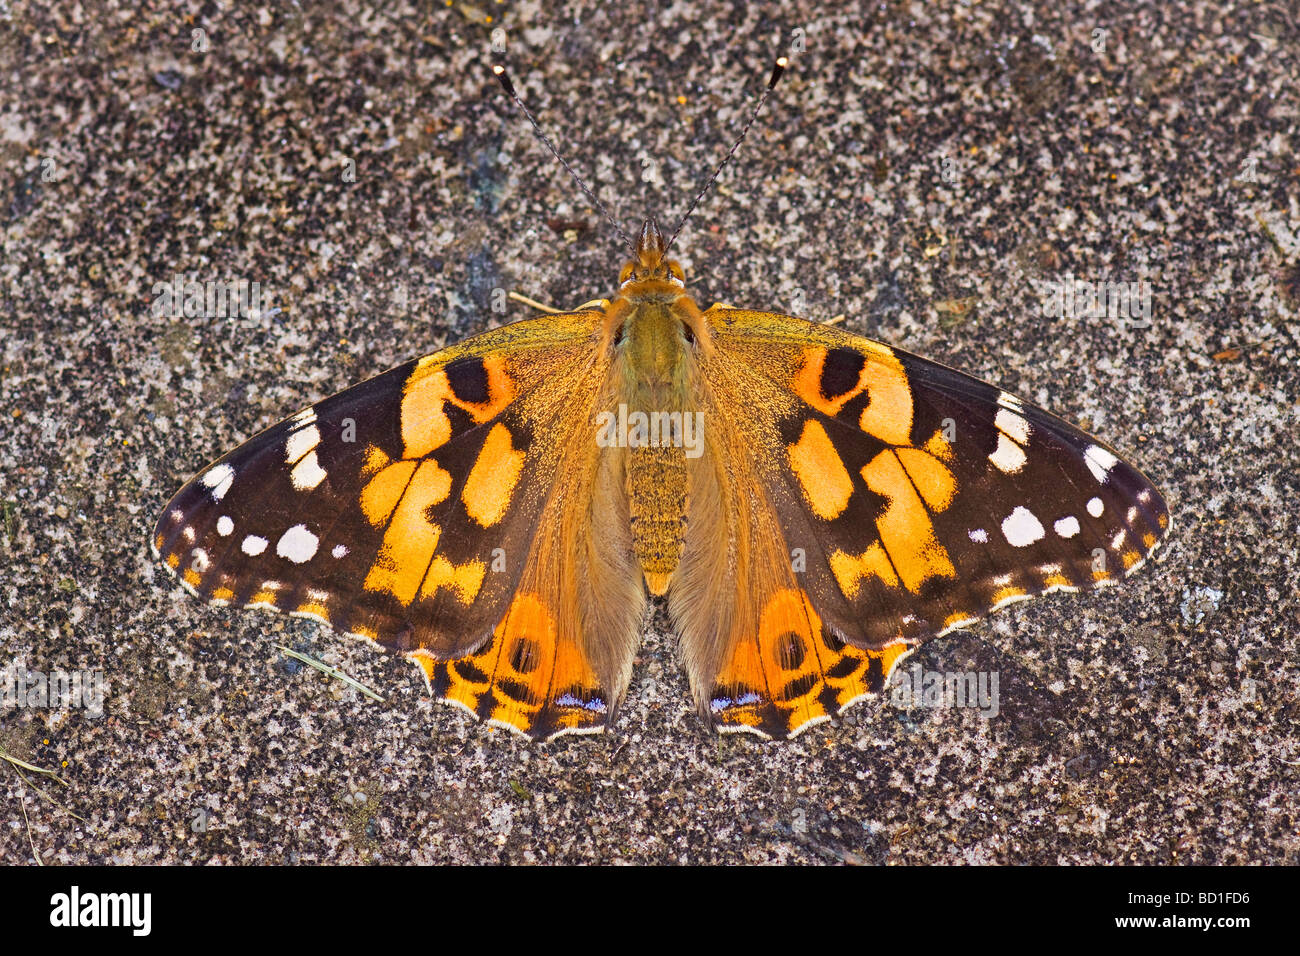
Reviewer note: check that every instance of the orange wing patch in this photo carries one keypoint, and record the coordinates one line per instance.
(794, 672)
(914, 483)
(905, 528)
(425, 423)
(491, 482)
(825, 481)
(888, 416)
(529, 678)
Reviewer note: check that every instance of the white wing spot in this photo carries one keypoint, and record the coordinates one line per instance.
(1100, 462)
(979, 535)
(308, 473)
(177, 515)
(1021, 528)
(305, 417)
(218, 481)
(253, 545)
(225, 525)
(301, 442)
(1067, 527)
(340, 550)
(1007, 400)
(201, 562)
(1132, 515)
(297, 544)
(1016, 426)
(188, 534)
(1118, 541)
(1095, 507)
(1008, 457)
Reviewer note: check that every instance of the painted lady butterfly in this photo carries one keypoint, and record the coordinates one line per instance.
(812, 504)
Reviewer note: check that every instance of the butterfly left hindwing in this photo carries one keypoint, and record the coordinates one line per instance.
(420, 510)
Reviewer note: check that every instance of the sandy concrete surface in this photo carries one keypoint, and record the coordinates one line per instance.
(923, 169)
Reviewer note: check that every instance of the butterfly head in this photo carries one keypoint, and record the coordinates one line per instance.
(651, 272)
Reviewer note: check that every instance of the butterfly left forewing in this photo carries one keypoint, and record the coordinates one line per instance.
(910, 499)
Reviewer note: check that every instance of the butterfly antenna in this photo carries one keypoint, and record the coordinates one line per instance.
(509, 87)
(777, 69)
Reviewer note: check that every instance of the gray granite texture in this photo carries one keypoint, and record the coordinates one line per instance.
(923, 169)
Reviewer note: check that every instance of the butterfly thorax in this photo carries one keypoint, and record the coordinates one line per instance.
(652, 311)
(656, 330)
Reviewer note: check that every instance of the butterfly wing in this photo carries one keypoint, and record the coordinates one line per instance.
(444, 510)
(889, 500)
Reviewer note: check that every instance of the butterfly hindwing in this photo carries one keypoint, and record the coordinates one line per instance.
(908, 499)
(419, 509)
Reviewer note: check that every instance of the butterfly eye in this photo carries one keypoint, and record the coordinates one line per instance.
(675, 270)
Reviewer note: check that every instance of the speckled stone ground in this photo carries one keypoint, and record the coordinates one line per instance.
(920, 170)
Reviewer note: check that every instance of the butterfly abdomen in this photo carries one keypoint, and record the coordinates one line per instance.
(656, 488)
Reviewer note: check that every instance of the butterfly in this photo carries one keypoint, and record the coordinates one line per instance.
(811, 504)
